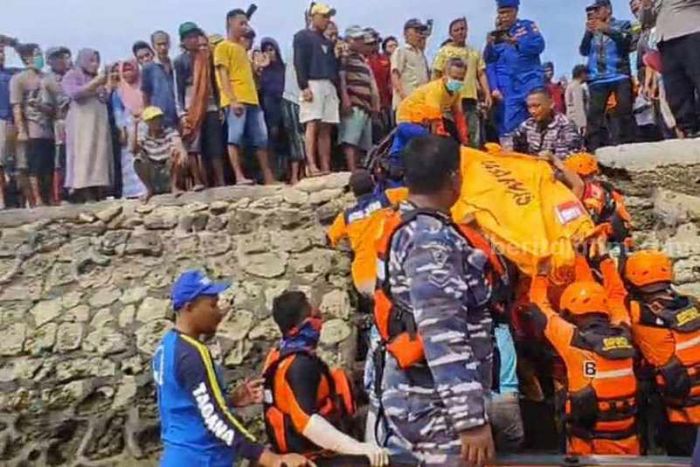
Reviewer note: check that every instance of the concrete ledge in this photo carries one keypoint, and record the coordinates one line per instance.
(644, 157)
(18, 217)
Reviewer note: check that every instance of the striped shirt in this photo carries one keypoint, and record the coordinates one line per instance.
(159, 148)
(358, 77)
(559, 136)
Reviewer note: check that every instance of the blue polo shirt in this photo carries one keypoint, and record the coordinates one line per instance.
(197, 425)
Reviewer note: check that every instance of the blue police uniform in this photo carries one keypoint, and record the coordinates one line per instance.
(197, 426)
(498, 76)
(518, 66)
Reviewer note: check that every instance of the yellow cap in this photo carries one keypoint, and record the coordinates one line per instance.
(322, 9)
(149, 113)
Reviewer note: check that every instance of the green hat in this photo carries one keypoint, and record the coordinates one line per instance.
(187, 28)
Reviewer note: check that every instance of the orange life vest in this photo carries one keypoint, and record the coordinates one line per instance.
(601, 400)
(284, 422)
(396, 325)
(669, 339)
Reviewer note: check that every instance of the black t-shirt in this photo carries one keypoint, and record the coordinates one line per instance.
(314, 58)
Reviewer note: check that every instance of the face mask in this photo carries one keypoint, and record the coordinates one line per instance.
(38, 62)
(454, 86)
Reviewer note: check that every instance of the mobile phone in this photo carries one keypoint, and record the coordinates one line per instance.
(251, 10)
(429, 31)
(499, 35)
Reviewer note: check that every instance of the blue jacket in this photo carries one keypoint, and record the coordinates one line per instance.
(5, 107)
(197, 426)
(497, 71)
(608, 54)
(518, 65)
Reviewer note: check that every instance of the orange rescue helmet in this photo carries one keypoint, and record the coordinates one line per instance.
(648, 267)
(584, 297)
(582, 163)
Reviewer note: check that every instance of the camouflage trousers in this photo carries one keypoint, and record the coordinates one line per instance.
(422, 429)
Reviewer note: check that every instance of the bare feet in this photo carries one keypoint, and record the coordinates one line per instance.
(145, 198)
(312, 171)
(244, 182)
(198, 187)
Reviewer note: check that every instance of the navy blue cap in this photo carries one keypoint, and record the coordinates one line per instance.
(508, 3)
(193, 284)
(598, 4)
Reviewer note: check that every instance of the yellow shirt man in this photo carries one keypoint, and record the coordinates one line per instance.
(475, 66)
(430, 99)
(234, 58)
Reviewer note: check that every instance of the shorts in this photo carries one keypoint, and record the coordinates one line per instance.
(159, 172)
(294, 130)
(8, 137)
(209, 141)
(325, 106)
(249, 127)
(40, 154)
(356, 129)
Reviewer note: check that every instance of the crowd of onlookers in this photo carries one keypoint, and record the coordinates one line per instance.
(75, 129)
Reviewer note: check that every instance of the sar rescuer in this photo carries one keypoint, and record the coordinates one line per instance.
(198, 428)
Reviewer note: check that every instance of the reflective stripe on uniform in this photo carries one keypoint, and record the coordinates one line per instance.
(614, 373)
(689, 343)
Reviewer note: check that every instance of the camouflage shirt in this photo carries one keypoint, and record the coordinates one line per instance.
(440, 278)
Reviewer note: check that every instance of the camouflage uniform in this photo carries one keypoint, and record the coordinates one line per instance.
(435, 273)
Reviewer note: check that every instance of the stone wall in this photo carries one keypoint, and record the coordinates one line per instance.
(84, 302)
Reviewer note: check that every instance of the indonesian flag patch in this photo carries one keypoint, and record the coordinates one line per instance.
(569, 211)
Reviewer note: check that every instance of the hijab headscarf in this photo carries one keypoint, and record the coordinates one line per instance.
(130, 93)
(83, 61)
(272, 76)
(78, 77)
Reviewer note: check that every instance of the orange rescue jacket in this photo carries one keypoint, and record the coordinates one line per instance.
(397, 327)
(669, 339)
(285, 420)
(601, 393)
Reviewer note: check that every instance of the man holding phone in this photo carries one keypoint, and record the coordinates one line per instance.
(607, 44)
(515, 50)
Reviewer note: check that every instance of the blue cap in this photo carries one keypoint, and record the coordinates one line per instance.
(193, 284)
(508, 3)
